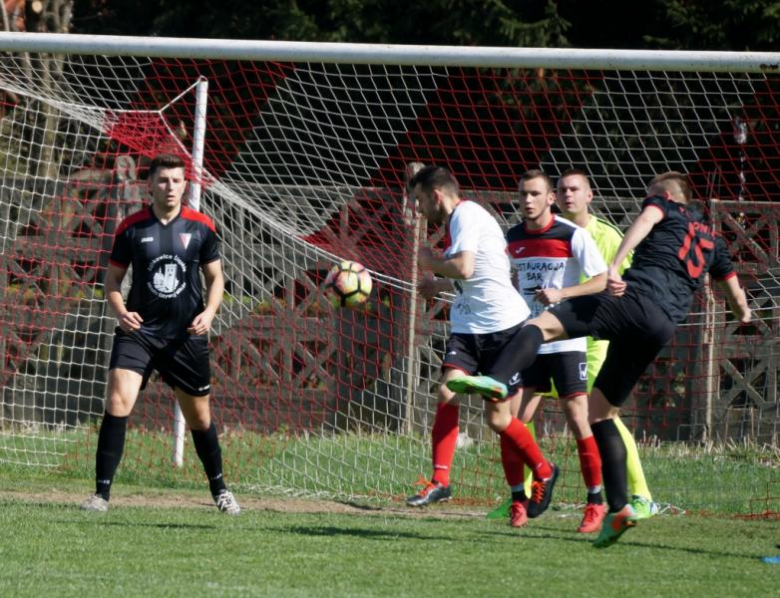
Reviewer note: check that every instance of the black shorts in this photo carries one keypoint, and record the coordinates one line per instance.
(492, 354)
(183, 363)
(569, 371)
(636, 328)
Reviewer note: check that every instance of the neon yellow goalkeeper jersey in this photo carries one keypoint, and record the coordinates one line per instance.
(607, 237)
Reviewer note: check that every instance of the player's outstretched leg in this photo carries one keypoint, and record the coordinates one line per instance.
(490, 389)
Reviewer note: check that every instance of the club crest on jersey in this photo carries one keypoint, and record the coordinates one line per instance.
(166, 276)
(185, 239)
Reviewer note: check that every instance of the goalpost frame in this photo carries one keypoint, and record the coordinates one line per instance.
(467, 56)
(345, 372)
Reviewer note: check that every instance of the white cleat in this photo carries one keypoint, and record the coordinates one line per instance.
(227, 503)
(95, 502)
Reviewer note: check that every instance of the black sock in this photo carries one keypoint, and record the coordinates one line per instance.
(613, 463)
(519, 496)
(210, 454)
(531, 339)
(111, 444)
(595, 498)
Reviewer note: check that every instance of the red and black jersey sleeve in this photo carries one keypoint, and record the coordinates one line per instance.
(209, 251)
(122, 250)
(722, 268)
(657, 202)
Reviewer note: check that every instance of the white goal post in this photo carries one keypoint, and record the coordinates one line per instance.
(302, 159)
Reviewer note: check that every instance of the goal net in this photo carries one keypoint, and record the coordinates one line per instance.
(306, 161)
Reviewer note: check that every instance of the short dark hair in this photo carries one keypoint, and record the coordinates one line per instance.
(535, 173)
(435, 177)
(166, 161)
(675, 177)
(574, 172)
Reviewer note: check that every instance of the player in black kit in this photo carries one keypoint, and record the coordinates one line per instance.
(163, 325)
(674, 247)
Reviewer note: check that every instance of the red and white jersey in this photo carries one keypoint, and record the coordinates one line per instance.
(555, 257)
(487, 302)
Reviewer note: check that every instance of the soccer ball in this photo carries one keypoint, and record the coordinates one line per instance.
(348, 284)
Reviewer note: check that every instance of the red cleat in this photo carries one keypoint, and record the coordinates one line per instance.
(517, 514)
(592, 519)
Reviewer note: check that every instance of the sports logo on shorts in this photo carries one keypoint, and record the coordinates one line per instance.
(583, 365)
(515, 379)
(166, 278)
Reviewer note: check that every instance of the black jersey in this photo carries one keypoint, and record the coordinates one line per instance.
(670, 263)
(166, 287)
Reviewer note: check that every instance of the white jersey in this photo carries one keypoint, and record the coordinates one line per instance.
(487, 302)
(556, 257)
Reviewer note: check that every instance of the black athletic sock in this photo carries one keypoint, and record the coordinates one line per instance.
(595, 498)
(210, 454)
(519, 496)
(532, 339)
(111, 444)
(613, 463)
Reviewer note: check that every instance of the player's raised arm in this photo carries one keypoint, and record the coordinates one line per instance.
(636, 233)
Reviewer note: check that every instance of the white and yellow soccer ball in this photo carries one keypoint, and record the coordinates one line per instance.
(348, 284)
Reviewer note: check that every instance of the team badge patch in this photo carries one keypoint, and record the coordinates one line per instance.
(185, 239)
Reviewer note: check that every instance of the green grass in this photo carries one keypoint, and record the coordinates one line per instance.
(52, 548)
(731, 479)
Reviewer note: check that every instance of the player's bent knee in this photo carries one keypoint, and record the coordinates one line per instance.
(498, 416)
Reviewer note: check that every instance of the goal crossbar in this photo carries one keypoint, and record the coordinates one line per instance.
(429, 55)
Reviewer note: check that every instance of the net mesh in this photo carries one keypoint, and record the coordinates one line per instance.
(306, 164)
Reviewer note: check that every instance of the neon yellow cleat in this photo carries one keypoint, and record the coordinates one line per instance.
(491, 390)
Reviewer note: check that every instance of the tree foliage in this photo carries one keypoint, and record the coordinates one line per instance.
(653, 24)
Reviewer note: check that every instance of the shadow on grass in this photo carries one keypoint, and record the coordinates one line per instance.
(129, 524)
(370, 534)
(547, 533)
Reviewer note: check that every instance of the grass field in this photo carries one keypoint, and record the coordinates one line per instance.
(163, 537)
(187, 548)
(733, 479)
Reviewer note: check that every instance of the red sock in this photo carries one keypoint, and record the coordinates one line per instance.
(590, 461)
(519, 436)
(444, 436)
(512, 462)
